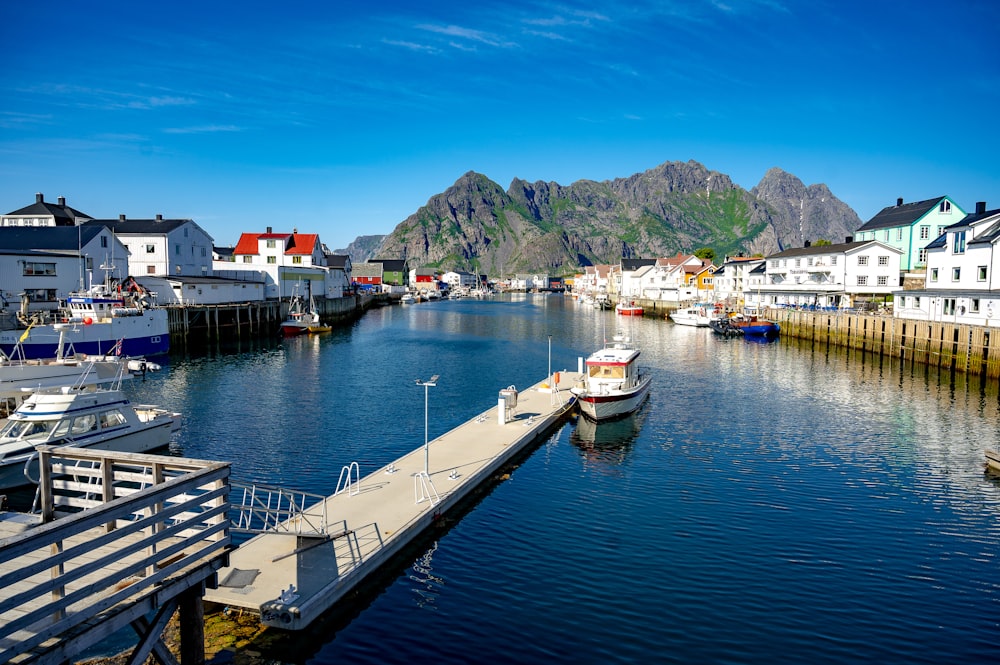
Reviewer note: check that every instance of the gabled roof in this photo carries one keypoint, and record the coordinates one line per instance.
(823, 249)
(337, 260)
(58, 211)
(138, 227)
(674, 260)
(901, 215)
(294, 243)
(635, 264)
(50, 238)
(643, 270)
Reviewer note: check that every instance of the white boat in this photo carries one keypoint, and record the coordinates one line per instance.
(696, 315)
(614, 385)
(407, 299)
(20, 376)
(100, 320)
(102, 419)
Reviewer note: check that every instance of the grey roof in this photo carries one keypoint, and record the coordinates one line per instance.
(337, 260)
(819, 249)
(46, 208)
(52, 238)
(900, 215)
(390, 265)
(635, 264)
(143, 227)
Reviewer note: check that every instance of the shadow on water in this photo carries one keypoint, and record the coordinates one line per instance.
(608, 443)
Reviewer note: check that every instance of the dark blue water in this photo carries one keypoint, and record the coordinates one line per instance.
(769, 503)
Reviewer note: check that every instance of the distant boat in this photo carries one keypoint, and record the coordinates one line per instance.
(746, 325)
(696, 315)
(300, 321)
(615, 385)
(85, 418)
(628, 309)
(408, 299)
(100, 320)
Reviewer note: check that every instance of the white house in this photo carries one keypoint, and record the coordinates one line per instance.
(214, 290)
(43, 213)
(177, 247)
(962, 283)
(842, 276)
(294, 264)
(731, 279)
(459, 279)
(47, 263)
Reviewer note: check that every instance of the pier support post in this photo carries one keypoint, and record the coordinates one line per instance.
(192, 625)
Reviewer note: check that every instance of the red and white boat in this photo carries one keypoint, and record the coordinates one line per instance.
(615, 385)
(628, 309)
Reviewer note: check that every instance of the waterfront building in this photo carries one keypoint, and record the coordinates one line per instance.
(731, 279)
(44, 214)
(161, 247)
(909, 227)
(424, 278)
(459, 279)
(292, 263)
(831, 276)
(46, 263)
(962, 284)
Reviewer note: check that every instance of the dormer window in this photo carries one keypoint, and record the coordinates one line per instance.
(945, 207)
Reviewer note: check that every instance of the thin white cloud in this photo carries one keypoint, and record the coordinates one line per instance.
(412, 46)
(202, 129)
(467, 33)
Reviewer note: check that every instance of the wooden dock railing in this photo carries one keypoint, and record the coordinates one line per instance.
(123, 535)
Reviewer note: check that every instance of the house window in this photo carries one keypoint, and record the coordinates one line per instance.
(104, 241)
(177, 249)
(981, 274)
(922, 256)
(945, 207)
(798, 262)
(916, 301)
(883, 280)
(862, 260)
(974, 305)
(958, 243)
(833, 260)
(886, 235)
(150, 270)
(940, 230)
(883, 260)
(272, 259)
(151, 249)
(899, 233)
(862, 280)
(270, 244)
(204, 252)
(925, 232)
(32, 269)
(774, 264)
(297, 260)
(949, 305)
(934, 274)
(248, 259)
(956, 274)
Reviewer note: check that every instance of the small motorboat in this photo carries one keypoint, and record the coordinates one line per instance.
(629, 308)
(614, 385)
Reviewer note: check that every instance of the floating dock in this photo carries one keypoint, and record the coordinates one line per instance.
(301, 566)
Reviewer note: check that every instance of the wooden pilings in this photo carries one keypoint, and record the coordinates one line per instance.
(959, 347)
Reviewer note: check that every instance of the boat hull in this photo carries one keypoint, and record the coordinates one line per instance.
(613, 404)
(147, 334)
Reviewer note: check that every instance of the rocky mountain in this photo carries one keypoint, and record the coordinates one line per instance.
(675, 207)
(362, 248)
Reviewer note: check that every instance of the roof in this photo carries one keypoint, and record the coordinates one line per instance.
(815, 250)
(390, 265)
(674, 260)
(901, 215)
(42, 207)
(337, 260)
(51, 238)
(294, 243)
(138, 227)
(635, 264)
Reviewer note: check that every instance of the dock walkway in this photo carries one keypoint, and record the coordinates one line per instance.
(291, 579)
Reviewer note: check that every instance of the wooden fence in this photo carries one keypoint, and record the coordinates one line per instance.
(124, 535)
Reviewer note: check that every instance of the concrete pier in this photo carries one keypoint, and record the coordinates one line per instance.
(297, 571)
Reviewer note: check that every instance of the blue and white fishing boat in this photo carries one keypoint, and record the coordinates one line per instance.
(102, 321)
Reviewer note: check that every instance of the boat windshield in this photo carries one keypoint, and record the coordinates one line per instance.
(606, 371)
(16, 429)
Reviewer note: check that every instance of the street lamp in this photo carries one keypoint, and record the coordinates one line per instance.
(430, 383)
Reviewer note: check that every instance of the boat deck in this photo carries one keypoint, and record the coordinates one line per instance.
(292, 579)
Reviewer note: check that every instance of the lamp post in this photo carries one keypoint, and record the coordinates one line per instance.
(430, 383)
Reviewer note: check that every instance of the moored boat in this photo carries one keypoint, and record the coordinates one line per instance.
(301, 321)
(86, 418)
(101, 321)
(697, 315)
(629, 308)
(749, 326)
(614, 385)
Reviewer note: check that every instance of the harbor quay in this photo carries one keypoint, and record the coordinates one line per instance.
(300, 567)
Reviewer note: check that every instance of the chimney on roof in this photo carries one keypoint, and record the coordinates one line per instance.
(899, 201)
(62, 201)
(269, 229)
(980, 207)
(39, 198)
(121, 217)
(294, 230)
(159, 218)
(808, 243)
(849, 239)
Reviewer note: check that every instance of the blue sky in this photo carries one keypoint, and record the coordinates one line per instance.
(344, 118)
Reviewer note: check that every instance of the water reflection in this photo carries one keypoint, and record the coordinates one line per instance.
(608, 443)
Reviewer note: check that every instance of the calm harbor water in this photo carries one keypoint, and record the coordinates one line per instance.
(769, 503)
